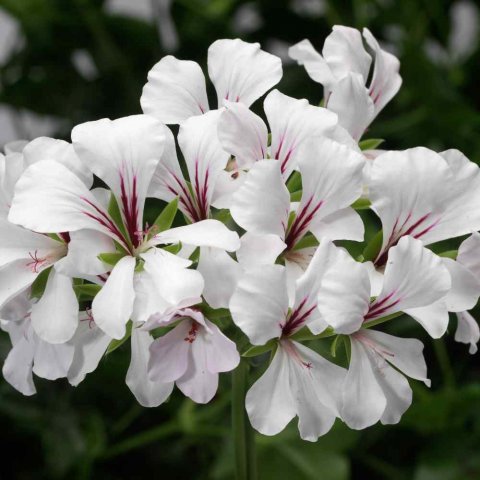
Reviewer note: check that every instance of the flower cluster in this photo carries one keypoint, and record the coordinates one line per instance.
(256, 261)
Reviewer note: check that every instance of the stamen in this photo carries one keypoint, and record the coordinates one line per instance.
(192, 333)
(36, 262)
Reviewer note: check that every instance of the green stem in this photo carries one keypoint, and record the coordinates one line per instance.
(444, 363)
(243, 438)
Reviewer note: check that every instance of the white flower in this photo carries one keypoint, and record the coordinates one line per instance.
(298, 381)
(192, 354)
(240, 72)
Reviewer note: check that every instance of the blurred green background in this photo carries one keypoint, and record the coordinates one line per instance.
(63, 62)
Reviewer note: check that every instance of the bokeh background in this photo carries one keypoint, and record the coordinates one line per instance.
(63, 62)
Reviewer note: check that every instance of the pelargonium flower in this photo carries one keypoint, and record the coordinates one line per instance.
(239, 71)
(298, 381)
(192, 354)
(343, 70)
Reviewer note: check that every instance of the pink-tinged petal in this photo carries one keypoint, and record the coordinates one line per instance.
(467, 331)
(84, 248)
(169, 354)
(124, 153)
(15, 278)
(175, 91)
(406, 207)
(350, 100)
(220, 352)
(199, 385)
(326, 187)
(363, 398)
(316, 66)
(344, 224)
(259, 305)
(242, 134)
(147, 392)
(90, 345)
(241, 71)
(206, 233)
(171, 280)
(406, 354)
(465, 287)
(270, 402)
(292, 122)
(204, 157)
(258, 250)
(16, 309)
(414, 277)
(349, 281)
(44, 148)
(345, 53)
(263, 186)
(52, 361)
(17, 243)
(55, 315)
(469, 254)
(386, 81)
(433, 318)
(49, 198)
(112, 307)
(17, 369)
(221, 273)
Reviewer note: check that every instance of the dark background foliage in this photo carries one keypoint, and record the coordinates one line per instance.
(80, 60)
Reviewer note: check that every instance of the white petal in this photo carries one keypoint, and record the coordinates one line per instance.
(16, 309)
(206, 233)
(315, 65)
(113, 305)
(175, 90)
(350, 101)
(241, 71)
(348, 280)
(226, 184)
(14, 279)
(49, 198)
(269, 402)
(52, 361)
(15, 146)
(258, 250)
(344, 224)
(386, 80)
(11, 168)
(220, 272)
(147, 392)
(44, 148)
(90, 345)
(467, 331)
(292, 122)
(17, 369)
(243, 134)
(260, 303)
(414, 277)
(405, 353)
(433, 318)
(363, 399)
(263, 186)
(169, 354)
(469, 254)
(221, 353)
(55, 315)
(465, 287)
(204, 157)
(124, 153)
(345, 53)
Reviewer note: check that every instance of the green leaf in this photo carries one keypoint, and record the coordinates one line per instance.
(88, 290)
(111, 258)
(370, 143)
(449, 254)
(294, 182)
(114, 344)
(296, 196)
(165, 220)
(334, 345)
(305, 334)
(348, 347)
(307, 241)
(38, 286)
(116, 215)
(259, 349)
(373, 248)
(361, 204)
(175, 248)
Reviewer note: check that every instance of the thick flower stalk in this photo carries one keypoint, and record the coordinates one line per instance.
(251, 230)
